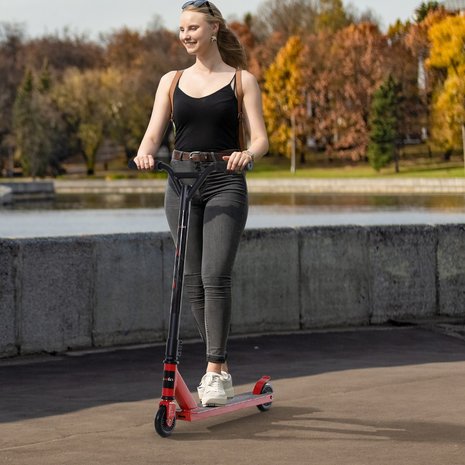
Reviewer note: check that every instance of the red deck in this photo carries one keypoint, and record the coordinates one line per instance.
(238, 402)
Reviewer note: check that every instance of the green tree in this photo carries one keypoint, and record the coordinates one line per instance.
(11, 75)
(83, 101)
(35, 128)
(383, 122)
(332, 16)
(424, 9)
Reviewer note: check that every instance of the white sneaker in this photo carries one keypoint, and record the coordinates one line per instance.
(227, 385)
(213, 393)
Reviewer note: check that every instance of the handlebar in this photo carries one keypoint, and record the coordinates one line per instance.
(199, 176)
(159, 166)
(162, 166)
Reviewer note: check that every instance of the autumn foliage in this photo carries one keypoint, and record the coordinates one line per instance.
(319, 64)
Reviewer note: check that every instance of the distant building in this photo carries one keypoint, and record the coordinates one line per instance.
(455, 5)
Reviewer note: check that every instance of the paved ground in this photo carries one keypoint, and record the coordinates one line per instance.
(372, 396)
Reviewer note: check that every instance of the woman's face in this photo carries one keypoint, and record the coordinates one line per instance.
(195, 32)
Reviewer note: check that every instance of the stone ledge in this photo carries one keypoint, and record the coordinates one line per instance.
(6, 195)
(29, 190)
(297, 185)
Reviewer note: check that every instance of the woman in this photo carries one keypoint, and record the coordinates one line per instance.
(205, 117)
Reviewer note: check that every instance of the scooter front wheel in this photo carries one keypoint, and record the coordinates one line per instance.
(161, 426)
(267, 389)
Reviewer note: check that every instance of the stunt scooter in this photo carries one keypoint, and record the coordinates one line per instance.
(177, 402)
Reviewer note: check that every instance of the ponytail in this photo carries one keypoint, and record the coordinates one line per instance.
(231, 50)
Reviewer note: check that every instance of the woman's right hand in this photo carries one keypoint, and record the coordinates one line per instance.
(145, 162)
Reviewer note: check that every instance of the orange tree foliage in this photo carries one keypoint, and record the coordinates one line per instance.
(344, 70)
(309, 63)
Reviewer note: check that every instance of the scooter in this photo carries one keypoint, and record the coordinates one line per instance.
(177, 402)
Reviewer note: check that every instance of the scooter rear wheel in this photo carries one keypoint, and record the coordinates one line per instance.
(161, 427)
(265, 390)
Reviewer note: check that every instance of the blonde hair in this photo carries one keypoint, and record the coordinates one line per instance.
(231, 50)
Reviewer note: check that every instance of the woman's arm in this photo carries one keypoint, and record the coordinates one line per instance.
(254, 124)
(253, 112)
(153, 136)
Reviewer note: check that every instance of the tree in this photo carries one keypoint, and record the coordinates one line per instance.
(424, 9)
(283, 99)
(36, 125)
(85, 104)
(11, 75)
(448, 53)
(332, 16)
(347, 67)
(63, 51)
(286, 18)
(384, 124)
(404, 67)
(418, 41)
(448, 128)
(447, 43)
(125, 49)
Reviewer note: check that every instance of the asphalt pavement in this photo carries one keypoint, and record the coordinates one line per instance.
(373, 396)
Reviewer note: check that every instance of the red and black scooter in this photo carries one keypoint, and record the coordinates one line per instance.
(177, 402)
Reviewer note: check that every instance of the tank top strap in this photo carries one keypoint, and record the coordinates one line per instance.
(232, 83)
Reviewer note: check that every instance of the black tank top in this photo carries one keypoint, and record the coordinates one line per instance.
(206, 123)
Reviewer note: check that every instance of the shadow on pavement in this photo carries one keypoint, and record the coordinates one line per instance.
(72, 383)
(295, 422)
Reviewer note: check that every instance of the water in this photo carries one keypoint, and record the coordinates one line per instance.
(125, 213)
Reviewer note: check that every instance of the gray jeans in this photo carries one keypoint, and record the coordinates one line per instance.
(217, 219)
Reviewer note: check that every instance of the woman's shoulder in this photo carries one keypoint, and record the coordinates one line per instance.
(247, 76)
(248, 79)
(169, 76)
(166, 80)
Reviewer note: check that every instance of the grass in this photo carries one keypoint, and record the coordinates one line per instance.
(414, 163)
(269, 168)
(273, 169)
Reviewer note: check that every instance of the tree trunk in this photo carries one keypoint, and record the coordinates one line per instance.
(293, 144)
(396, 159)
(463, 144)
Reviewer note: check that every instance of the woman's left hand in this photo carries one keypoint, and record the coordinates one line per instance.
(237, 161)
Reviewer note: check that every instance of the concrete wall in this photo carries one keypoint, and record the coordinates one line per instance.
(61, 294)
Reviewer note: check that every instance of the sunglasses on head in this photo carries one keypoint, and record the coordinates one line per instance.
(198, 3)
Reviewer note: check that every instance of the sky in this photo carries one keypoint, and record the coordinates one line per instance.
(92, 17)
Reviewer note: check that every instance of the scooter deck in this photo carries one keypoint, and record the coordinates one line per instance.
(248, 399)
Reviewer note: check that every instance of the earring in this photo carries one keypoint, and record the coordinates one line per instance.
(213, 39)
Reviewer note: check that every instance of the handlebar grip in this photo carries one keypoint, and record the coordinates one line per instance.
(159, 165)
(132, 165)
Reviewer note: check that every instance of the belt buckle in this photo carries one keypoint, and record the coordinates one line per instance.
(192, 154)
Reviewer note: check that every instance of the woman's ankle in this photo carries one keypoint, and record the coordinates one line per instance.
(214, 367)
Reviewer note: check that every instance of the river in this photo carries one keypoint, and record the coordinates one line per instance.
(85, 214)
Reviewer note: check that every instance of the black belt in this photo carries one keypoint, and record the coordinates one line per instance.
(201, 156)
